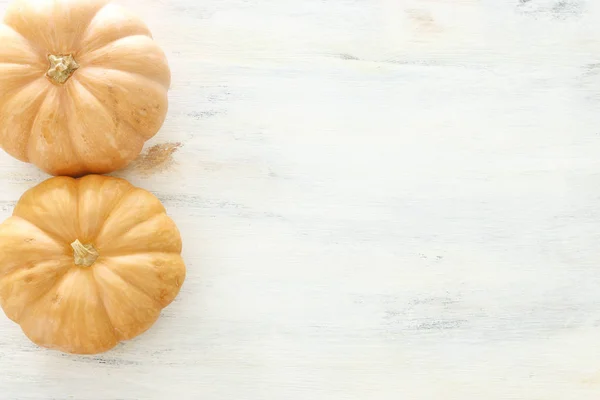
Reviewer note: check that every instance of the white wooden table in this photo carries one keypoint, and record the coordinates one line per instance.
(379, 199)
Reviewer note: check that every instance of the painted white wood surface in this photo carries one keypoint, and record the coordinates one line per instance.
(379, 199)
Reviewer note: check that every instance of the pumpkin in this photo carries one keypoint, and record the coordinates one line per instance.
(86, 263)
(82, 85)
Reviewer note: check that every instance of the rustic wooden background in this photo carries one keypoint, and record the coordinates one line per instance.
(379, 199)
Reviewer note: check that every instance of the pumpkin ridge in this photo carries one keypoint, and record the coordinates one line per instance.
(28, 78)
(134, 287)
(114, 271)
(36, 116)
(91, 58)
(66, 268)
(117, 204)
(25, 64)
(59, 280)
(78, 155)
(100, 103)
(80, 38)
(67, 103)
(136, 74)
(36, 105)
(92, 49)
(175, 273)
(56, 239)
(100, 294)
(6, 100)
(92, 236)
(36, 264)
(148, 219)
(33, 46)
(84, 84)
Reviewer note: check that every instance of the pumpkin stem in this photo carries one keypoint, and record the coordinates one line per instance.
(85, 254)
(61, 68)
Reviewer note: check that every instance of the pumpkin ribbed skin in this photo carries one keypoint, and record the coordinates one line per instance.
(87, 305)
(82, 85)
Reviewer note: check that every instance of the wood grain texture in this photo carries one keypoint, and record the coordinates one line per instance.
(386, 199)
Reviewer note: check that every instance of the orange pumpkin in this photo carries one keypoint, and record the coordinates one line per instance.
(86, 263)
(82, 85)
